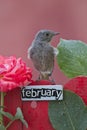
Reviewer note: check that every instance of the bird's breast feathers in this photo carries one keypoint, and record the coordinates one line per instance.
(42, 48)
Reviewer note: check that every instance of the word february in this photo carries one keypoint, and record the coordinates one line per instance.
(42, 92)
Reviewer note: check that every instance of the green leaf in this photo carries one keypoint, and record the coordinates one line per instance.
(19, 115)
(2, 127)
(7, 114)
(72, 57)
(24, 122)
(69, 114)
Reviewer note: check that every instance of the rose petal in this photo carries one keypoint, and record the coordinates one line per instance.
(13, 73)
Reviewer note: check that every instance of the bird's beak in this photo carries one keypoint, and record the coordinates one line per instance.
(56, 33)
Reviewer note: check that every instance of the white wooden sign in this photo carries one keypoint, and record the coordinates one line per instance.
(42, 92)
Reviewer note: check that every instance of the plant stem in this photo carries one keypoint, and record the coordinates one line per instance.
(10, 123)
(2, 104)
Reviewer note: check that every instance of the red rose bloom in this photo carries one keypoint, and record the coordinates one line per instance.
(13, 73)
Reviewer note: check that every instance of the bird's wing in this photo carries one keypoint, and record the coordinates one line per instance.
(56, 52)
(29, 51)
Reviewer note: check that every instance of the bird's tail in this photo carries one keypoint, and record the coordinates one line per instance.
(44, 76)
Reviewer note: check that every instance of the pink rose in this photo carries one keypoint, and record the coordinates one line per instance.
(13, 73)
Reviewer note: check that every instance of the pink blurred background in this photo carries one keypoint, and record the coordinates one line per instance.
(21, 19)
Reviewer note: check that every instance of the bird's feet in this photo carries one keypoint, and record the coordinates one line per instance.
(52, 80)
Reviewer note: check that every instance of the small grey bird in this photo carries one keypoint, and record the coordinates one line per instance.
(42, 53)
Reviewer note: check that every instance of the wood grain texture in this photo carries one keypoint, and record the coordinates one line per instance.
(37, 117)
(12, 101)
(36, 113)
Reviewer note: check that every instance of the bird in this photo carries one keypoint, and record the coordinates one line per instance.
(42, 53)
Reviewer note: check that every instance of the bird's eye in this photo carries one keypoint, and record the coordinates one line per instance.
(47, 34)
